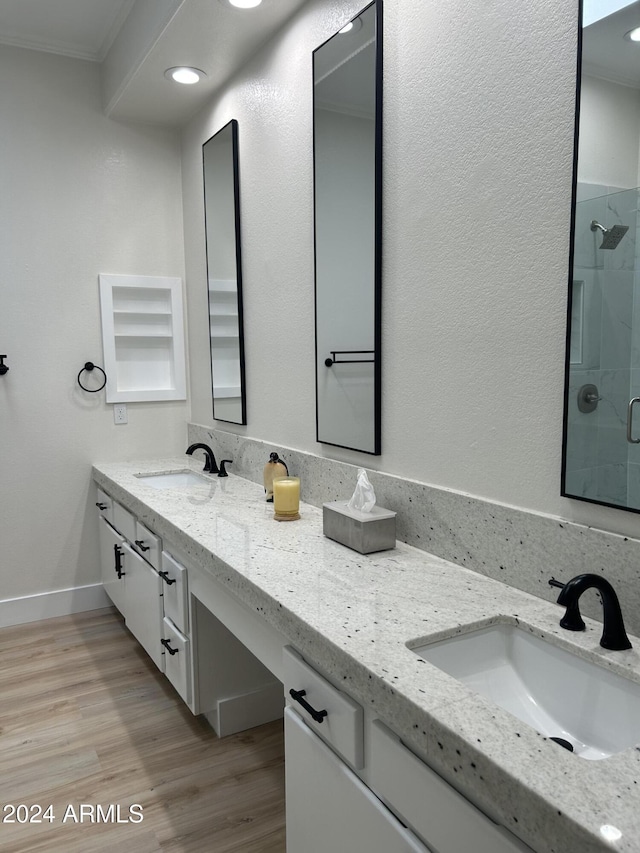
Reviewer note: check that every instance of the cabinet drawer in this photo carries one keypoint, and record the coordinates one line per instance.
(124, 522)
(148, 545)
(177, 659)
(443, 818)
(176, 598)
(105, 505)
(342, 726)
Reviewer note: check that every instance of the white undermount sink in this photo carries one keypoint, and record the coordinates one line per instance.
(556, 692)
(173, 480)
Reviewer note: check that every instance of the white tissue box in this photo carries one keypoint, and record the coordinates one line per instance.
(363, 531)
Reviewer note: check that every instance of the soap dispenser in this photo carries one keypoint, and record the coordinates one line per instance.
(275, 467)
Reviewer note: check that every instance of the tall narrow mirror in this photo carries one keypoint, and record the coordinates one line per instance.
(347, 132)
(602, 406)
(224, 274)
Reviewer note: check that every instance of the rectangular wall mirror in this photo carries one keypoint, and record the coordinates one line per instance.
(347, 134)
(224, 274)
(602, 405)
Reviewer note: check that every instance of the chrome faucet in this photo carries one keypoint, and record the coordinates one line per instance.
(210, 464)
(614, 635)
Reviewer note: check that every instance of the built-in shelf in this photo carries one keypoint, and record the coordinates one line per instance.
(143, 338)
(129, 313)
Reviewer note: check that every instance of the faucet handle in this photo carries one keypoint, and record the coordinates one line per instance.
(572, 620)
(223, 471)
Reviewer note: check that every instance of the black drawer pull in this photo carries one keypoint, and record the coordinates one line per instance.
(318, 716)
(141, 545)
(166, 644)
(165, 577)
(117, 550)
(101, 507)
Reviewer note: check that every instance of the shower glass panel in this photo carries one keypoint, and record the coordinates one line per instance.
(604, 349)
(601, 458)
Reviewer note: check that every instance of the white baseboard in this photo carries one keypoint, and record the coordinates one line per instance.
(61, 602)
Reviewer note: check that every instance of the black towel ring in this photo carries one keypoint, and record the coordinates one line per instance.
(89, 365)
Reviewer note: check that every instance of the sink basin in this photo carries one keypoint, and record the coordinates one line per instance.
(173, 480)
(594, 711)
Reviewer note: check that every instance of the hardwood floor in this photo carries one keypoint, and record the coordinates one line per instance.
(87, 719)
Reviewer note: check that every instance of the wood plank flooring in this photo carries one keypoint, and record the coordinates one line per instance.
(87, 719)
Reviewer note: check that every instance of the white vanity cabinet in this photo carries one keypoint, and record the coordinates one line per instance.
(352, 785)
(137, 577)
(134, 587)
(328, 807)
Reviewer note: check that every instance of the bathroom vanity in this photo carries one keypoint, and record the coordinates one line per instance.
(384, 751)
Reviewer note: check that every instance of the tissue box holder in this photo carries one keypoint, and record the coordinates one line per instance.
(362, 531)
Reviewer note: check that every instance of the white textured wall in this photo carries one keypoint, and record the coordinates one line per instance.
(478, 138)
(79, 195)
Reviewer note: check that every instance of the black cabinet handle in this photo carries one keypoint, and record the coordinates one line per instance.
(297, 695)
(165, 577)
(101, 507)
(117, 550)
(167, 645)
(141, 545)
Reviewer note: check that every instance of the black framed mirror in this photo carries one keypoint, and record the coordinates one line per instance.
(347, 142)
(601, 451)
(224, 274)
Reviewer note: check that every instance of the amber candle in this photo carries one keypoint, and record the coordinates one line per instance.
(286, 498)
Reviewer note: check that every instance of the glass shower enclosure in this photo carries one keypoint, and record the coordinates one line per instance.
(602, 451)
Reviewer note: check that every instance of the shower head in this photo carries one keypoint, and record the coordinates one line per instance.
(610, 236)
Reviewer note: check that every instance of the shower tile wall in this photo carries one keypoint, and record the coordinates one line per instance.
(607, 352)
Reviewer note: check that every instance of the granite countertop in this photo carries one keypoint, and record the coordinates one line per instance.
(353, 615)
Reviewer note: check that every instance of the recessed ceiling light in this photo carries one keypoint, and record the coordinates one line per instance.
(633, 35)
(184, 74)
(245, 4)
(611, 833)
(352, 25)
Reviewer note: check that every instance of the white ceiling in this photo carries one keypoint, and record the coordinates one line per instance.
(208, 34)
(83, 29)
(606, 53)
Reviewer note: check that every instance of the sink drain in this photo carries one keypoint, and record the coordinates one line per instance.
(562, 742)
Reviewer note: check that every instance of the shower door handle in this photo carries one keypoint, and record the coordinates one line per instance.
(630, 438)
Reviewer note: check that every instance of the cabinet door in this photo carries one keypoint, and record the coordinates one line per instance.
(143, 612)
(111, 559)
(328, 807)
(435, 810)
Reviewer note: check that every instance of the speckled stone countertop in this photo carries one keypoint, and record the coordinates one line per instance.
(354, 614)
